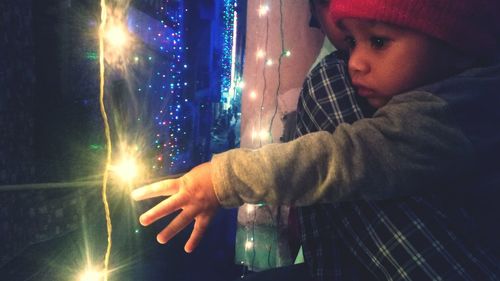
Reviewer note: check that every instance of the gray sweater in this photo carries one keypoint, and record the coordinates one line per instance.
(430, 139)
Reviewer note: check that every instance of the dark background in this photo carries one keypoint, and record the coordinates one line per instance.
(51, 132)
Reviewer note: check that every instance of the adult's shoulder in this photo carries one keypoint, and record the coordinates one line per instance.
(334, 63)
(337, 56)
(472, 84)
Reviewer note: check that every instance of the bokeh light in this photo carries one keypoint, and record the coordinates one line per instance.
(117, 36)
(127, 169)
(90, 275)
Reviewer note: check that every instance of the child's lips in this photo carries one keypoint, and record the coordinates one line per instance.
(364, 91)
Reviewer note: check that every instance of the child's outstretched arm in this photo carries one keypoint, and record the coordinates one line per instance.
(411, 145)
(193, 193)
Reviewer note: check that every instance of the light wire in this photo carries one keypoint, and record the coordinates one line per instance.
(109, 226)
(261, 112)
(282, 32)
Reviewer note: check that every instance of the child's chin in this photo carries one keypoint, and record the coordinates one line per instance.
(377, 102)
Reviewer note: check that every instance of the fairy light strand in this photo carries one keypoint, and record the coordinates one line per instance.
(166, 38)
(263, 11)
(107, 133)
(227, 58)
(235, 82)
(282, 53)
(264, 89)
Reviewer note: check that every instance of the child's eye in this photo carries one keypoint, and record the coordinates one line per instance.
(378, 42)
(350, 41)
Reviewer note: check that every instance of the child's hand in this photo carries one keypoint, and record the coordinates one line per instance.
(193, 193)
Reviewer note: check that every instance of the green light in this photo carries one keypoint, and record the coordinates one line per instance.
(91, 56)
(96, 147)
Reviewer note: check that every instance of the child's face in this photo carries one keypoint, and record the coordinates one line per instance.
(387, 60)
(328, 26)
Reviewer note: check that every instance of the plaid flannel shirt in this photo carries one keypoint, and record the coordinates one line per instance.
(413, 238)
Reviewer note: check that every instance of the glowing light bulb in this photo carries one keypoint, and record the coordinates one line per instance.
(90, 275)
(263, 10)
(269, 62)
(253, 95)
(248, 245)
(126, 170)
(288, 53)
(250, 208)
(117, 36)
(241, 84)
(263, 135)
(260, 54)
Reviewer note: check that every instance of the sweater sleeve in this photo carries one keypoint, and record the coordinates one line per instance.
(409, 145)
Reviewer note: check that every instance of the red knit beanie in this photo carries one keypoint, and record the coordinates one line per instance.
(471, 26)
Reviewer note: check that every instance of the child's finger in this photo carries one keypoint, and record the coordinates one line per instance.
(164, 208)
(175, 226)
(161, 188)
(200, 226)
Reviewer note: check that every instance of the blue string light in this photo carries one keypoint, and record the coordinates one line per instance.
(227, 47)
(166, 38)
(163, 33)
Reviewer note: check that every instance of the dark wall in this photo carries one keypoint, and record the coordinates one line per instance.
(29, 99)
(66, 115)
(51, 131)
(17, 82)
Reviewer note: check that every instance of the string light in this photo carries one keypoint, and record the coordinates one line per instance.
(248, 245)
(166, 87)
(228, 74)
(282, 36)
(241, 84)
(263, 10)
(262, 135)
(260, 54)
(116, 36)
(250, 208)
(107, 133)
(233, 88)
(127, 169)
(90, 275)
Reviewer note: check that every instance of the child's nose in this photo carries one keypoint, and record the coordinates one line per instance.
(358, 63)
